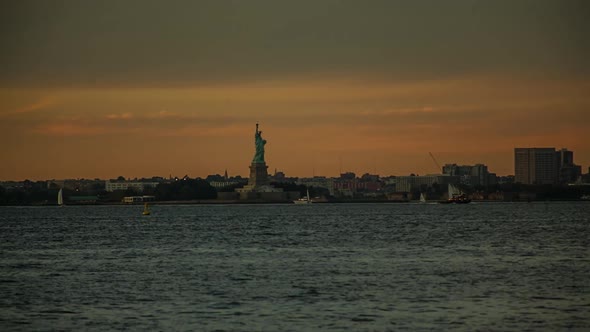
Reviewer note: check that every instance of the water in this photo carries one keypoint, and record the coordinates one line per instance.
(362, 267)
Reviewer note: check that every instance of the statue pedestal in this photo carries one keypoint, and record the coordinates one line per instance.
(259, 188)
(258, 175)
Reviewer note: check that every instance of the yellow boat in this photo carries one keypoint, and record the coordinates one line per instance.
(146, 209)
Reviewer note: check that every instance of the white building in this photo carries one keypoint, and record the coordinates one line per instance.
(124, 185)
(223, 184)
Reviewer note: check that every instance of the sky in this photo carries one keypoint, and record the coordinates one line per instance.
(100, 89)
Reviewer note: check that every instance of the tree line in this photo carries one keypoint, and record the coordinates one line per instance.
(37, 193)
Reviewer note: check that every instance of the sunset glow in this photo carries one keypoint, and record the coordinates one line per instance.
(322, 110)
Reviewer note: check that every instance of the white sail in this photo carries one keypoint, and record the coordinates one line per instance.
(422, 198)
(303, 200)
(60, 199)
(454, 191)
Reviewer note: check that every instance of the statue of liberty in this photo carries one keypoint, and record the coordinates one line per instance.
(259, 142)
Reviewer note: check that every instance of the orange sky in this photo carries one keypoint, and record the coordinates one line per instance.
(312, 127)
(99, 89)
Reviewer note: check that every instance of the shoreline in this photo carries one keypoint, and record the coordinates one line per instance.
(260, 202)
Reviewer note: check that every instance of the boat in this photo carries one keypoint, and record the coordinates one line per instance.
(146, 209)
(422, 198)
(60, 197)
(303, 200)
(456, 196)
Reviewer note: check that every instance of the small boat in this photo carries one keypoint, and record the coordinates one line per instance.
(303, 200)
(146, 209)
(460, 199)
(456, 196)
(422, 198)
(60, 197)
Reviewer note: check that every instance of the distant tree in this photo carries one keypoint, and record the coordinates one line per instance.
(130, 191)
(188, 189)
(97, 187)
(120, 178)
(319, 192)
(214, 177)
(291, 186)
(3, 195)
(115, 196)
(149, 191)
(302, 189)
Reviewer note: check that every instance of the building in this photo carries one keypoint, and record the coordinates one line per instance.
(318, 182)
(568, 171)
(471, 175)
(417, 183)
(565, 157)
(111, 186)
(77, 185)
(347, 176)
(535, 165)
(545, 166)
(223, 184)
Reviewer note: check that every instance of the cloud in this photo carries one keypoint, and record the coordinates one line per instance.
(39, 105)
(486, 104)
(123, 116)
(132, 44)
(148, 125)
(405, 110)
(69, 129)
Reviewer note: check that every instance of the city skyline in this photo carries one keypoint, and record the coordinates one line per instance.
(564, 155)
(98, 90)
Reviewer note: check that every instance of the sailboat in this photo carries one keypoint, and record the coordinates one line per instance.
(456, 196)
(422, 198)
(303, 200)
(60, 197)
(146, 209)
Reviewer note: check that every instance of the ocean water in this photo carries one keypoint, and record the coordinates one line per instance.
(320, 267)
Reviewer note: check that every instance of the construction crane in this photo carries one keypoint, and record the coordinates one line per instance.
(435, 162)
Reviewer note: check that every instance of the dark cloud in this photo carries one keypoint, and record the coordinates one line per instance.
(163, 43)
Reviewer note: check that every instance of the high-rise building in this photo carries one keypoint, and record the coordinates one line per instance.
(536, 165)
(565, 157)
(568, 171)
